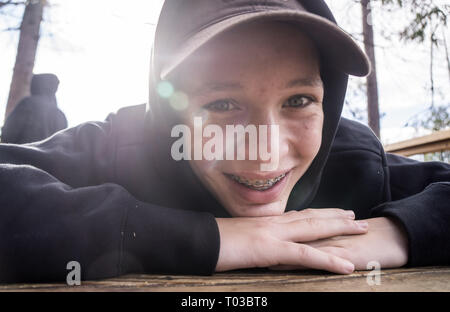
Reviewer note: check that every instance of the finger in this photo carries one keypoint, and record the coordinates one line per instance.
(303, 255)
(325, 213)
(306, 230)
(358, 260)
(328, 213)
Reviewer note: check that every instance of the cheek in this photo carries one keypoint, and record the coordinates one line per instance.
(306, 136)
(206, 168)
(208, 173)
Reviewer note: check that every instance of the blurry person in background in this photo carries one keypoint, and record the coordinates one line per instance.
(37, 116)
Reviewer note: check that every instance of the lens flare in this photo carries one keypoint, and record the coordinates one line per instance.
(165, 89)
(179, 101)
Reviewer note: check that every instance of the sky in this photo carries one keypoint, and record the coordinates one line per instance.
(100, 50)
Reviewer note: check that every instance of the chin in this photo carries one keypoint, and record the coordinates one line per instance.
(262, 210)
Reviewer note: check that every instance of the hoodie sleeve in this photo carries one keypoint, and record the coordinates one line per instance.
(57, 206)
(421, 203)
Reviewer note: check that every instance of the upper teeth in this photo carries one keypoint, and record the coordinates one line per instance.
(257, 184)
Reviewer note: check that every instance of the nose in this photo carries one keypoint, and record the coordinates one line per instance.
(268, 147)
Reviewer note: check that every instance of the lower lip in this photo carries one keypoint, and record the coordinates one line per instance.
(259, 197)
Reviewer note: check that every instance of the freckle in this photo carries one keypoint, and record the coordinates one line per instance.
(262, 90)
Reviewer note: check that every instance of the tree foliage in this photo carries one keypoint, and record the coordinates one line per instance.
(435, 119)
(428, 23)
(428, 17)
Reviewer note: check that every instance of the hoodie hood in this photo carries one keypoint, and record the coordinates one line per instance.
(161, 118)
(44, 84)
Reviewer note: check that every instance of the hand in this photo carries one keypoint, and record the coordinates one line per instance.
(386, 242)
(279, 240)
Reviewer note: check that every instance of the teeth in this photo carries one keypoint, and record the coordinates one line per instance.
(260, 185)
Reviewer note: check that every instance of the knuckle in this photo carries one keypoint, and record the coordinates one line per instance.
(332, 261)
(349, 223)
(302, 251)
(311, 222)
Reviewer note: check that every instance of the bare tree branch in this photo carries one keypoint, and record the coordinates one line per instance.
(11, 2)
(11, 29)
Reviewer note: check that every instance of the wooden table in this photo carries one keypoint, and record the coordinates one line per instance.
(261, 280)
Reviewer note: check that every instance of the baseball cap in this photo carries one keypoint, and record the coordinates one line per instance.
(190, 24)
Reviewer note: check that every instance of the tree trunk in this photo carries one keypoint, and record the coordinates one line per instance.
(446, 52)
(372, 85)
(26, 53)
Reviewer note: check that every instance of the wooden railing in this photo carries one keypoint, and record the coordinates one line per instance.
(435, 142)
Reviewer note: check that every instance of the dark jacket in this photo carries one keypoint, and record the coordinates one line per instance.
(94, 194)
(108, 195)
(35, 117)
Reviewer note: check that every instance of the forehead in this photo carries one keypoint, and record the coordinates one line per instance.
(270, 49)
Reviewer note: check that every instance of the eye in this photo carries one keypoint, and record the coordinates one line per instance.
(298, 101)
(221, 106)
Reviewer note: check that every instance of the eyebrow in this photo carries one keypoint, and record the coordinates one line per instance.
(230, 85)
(308, 82)
(217, 87)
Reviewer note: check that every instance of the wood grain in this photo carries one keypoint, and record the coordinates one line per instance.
(259, 280)
(435, 142)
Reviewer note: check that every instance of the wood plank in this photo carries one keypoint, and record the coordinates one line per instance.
(431, 138)
(424, 149)
(435, 142)
(410, 279)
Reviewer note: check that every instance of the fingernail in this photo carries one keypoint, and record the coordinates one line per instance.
(349, 267)
(362, 224)
(350, 214)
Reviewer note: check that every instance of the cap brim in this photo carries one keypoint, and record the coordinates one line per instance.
(338, 47)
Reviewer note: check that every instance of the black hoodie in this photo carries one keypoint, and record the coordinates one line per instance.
(108, 194)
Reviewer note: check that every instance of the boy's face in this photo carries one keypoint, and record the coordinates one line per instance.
(256, 74)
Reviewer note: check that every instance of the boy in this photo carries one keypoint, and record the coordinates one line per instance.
(112, 196)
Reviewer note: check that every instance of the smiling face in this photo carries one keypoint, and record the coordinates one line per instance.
(256, 74)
